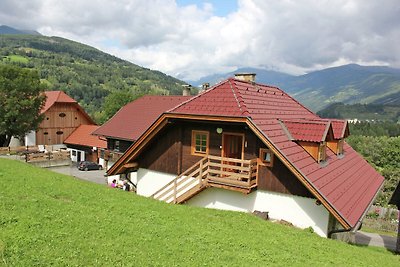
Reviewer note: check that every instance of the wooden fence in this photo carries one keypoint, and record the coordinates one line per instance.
(45, 156)
(18, 150)
(33, 153)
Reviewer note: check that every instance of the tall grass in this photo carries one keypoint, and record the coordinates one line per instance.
(52, 219)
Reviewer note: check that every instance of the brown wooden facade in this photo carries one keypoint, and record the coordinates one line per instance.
(60, 120)
(172, 152)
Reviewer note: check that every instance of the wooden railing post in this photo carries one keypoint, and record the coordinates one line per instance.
(175, 190)
(250, 173)
(201, 173)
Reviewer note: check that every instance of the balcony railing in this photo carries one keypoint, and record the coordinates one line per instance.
(211, 171)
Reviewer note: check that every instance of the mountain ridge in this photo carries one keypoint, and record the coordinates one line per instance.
(350, 84)
(4, 29)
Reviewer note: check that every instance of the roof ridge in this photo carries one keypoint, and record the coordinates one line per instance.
(239, 102)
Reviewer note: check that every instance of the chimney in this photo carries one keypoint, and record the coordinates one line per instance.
(186, 89)
(247, 77)
(205, 86)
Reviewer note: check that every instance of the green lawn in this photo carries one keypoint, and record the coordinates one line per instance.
(16, 58)
(48, 219)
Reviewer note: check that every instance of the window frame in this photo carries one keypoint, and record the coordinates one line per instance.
(193, 143)
(261, 155)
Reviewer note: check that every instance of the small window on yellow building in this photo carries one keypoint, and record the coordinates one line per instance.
(266, 156)
(200, 142)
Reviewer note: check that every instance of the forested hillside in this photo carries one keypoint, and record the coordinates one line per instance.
(85, 73)
(362, 112)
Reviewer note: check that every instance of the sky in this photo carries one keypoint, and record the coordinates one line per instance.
(189, 39)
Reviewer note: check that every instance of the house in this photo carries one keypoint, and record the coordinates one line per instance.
(131, 121)
(395, 200)
(246, 146)
(85, 146)
(62, 116)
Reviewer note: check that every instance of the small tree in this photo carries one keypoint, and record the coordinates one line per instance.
(21, 99)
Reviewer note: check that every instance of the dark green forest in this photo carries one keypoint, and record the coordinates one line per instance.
(88, 75)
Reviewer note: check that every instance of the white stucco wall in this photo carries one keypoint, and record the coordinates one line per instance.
(148, 182)
(74, 154)
(30, 139)
(301, 211)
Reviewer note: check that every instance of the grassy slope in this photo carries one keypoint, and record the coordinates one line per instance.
(52, 219)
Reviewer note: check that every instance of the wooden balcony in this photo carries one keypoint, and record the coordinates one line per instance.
(211, 171)
(232, 172)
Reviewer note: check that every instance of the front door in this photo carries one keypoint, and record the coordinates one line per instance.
(232, 146)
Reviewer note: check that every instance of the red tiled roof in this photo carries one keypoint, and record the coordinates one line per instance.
(305, 130)
(82, 136)
(340, 129)
(56, 97)
(347, 183)
(134, 118)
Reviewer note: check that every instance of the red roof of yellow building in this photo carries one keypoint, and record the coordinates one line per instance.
(82, 136)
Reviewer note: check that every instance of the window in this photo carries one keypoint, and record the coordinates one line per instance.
(116, 145)
(74, 153)
(266, 156)
(62, 115)
(59, 132)
(200, 143)
(45, 133)
(322, 152)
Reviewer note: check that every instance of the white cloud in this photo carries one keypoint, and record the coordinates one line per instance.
(292, 36)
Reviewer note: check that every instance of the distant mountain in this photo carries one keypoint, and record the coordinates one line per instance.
(83, 72)
(263, 76)
(4, 29)
(347, 84)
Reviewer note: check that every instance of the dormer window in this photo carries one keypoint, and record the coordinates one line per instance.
(311, 135)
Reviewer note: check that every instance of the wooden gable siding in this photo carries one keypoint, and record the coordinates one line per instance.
(312, 148)
(280, 179)
(54, 129)
(170, 152)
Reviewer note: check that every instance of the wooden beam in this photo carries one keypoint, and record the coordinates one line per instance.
(131, 165)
